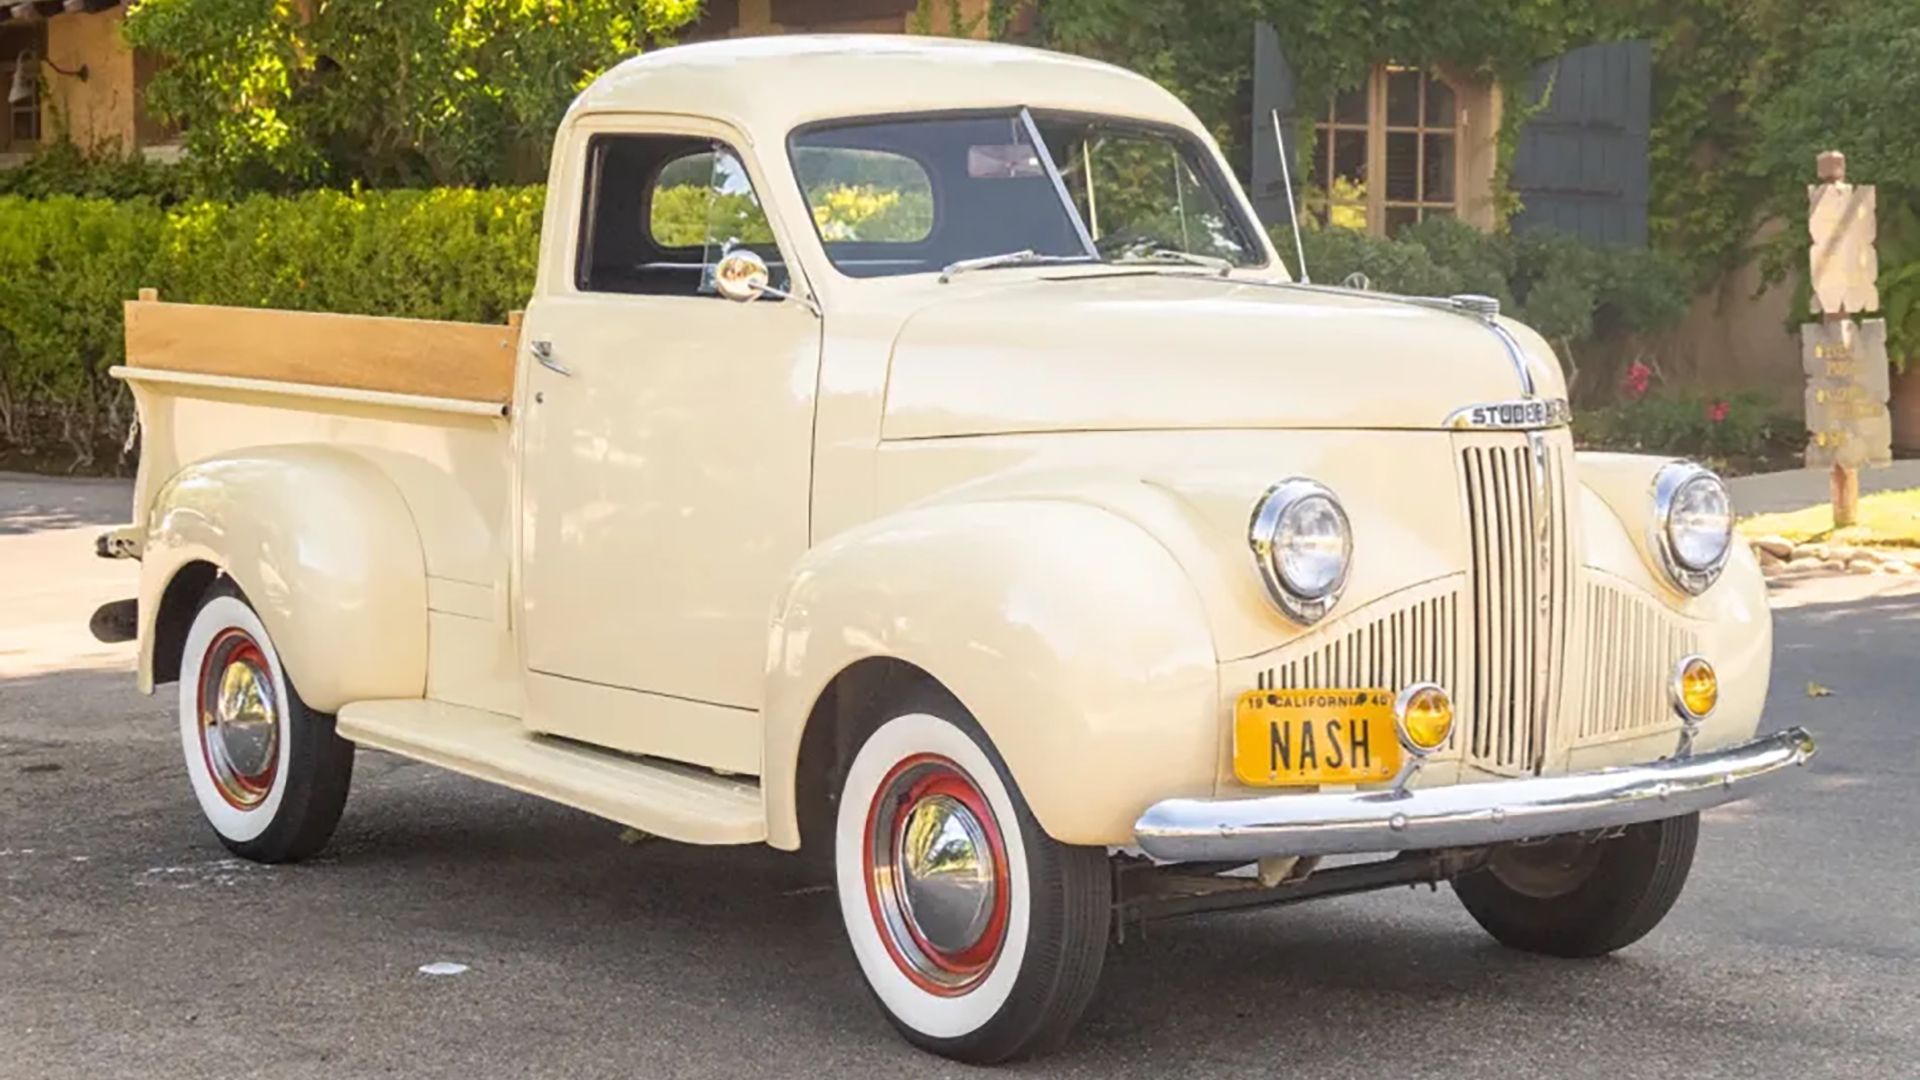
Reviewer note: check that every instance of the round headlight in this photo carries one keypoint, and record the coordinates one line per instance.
(1692, 525)
(1303, 546)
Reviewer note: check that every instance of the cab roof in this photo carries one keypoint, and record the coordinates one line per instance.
(770, 85)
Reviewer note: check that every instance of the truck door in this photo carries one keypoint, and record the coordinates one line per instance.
(666, 451)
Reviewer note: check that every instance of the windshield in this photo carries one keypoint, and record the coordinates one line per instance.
(918, 194)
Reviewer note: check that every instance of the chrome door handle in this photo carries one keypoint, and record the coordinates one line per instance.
(543, 352)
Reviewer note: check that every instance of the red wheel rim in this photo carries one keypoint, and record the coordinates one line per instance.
(238, 718)
(935, 866)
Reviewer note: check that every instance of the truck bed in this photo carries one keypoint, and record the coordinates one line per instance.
(426, 402)
(471, 362)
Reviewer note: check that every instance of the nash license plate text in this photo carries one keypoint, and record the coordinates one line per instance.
(1295, 737)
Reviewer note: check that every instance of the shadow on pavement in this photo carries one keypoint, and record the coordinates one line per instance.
(31, 504)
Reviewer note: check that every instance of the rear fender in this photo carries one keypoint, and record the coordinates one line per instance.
(325, 549)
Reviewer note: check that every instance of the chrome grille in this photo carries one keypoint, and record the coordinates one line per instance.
(1631, 649)
(1521, 587)
(1417, 642)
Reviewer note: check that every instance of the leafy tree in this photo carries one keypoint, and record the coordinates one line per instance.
(1715, 65)
(1858, 91)
(280, 94)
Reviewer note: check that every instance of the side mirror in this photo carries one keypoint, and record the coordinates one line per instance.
(741, 276)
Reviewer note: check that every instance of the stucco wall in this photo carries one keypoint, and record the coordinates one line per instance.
(1736, 337)
(100, 111)
(1480, 106)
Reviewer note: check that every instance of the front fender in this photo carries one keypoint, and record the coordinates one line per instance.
(1732, 619)
(1071, 635)
(326, 550)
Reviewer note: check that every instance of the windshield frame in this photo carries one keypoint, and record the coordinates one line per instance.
(1206, 160)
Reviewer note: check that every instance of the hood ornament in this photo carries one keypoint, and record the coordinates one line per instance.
(1487, 307)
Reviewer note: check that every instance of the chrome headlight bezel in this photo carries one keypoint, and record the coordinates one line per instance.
(1270, 514)
(1668, 484)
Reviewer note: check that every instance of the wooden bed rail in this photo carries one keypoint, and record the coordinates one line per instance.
(419, 357)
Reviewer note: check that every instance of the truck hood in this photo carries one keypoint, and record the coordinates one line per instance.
(1161, 351)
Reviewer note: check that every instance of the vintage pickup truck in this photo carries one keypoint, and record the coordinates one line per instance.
(915, 453)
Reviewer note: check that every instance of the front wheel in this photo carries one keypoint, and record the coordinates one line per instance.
(1574, 897)
(981, 937)
(270, 774)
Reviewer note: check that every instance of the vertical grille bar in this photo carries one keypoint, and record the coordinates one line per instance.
(1522, 585)
(1473, 463)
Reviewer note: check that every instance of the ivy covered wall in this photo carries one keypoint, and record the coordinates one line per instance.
(1719, 66)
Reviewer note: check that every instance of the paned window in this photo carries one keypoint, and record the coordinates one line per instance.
(1387, 153)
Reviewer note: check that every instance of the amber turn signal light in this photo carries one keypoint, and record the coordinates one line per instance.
(1696, 689)
(1424, 714)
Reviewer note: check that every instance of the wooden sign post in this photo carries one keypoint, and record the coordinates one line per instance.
(1845, 361)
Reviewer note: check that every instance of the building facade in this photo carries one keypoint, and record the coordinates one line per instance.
(79, 80)
(68, 73)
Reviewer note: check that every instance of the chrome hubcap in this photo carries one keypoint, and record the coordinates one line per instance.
(239, 719)
(936, 875)
(946, 873)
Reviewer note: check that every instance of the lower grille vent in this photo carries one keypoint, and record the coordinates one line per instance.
(1632, 647)
(1415, 643)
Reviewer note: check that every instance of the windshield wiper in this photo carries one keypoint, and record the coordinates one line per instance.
(1169, 256)
(1027, 257)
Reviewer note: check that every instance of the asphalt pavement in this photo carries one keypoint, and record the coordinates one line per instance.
(131, 946)
(1768, 493)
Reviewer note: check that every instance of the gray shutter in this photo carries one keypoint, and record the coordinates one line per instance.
(1581, 163)
(1272, 89)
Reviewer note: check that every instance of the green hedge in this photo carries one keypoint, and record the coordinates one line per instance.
(1577, 295)
(66, 263)
(61, 168)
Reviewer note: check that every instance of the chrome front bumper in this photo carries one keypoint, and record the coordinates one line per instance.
(1463, 815)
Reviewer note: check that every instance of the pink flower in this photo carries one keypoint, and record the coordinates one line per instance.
(1716, 412)
(1637, 380)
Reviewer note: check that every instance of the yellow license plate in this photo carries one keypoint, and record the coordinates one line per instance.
(1293, 737)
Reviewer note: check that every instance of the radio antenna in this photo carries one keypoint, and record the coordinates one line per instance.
(1293, 212)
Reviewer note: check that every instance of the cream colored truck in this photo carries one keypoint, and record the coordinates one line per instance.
(916, 453)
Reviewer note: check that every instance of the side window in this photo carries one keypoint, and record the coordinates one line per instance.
(661, 211)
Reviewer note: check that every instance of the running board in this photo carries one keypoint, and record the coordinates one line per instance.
(666, 799)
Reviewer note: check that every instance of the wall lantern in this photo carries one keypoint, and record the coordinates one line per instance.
(24, 74)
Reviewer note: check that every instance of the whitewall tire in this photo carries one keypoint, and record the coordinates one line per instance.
(980, 936)
(270, 774)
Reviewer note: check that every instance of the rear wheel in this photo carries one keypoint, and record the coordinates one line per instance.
(270, 774)
(1573, 897)
(981, 937)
